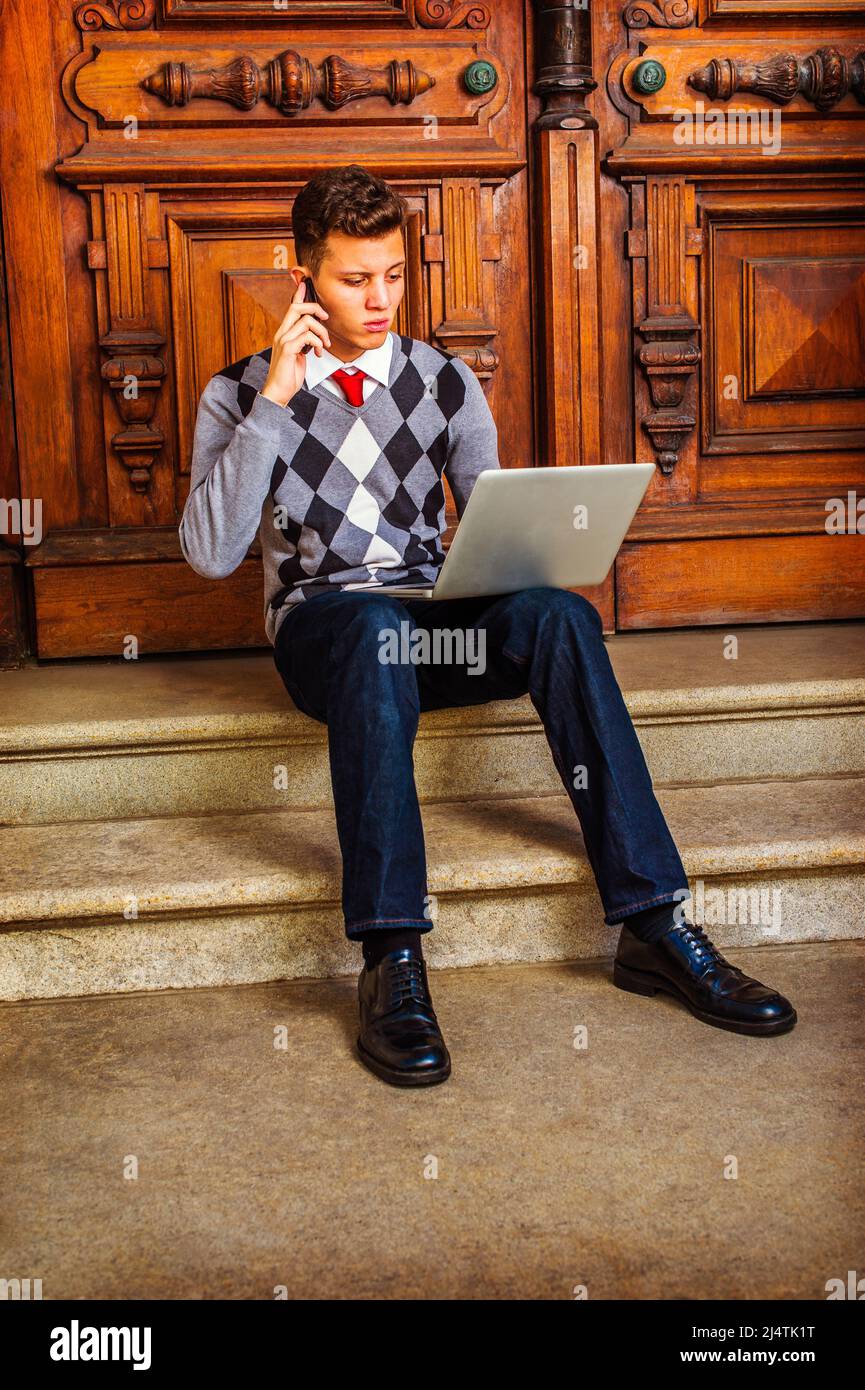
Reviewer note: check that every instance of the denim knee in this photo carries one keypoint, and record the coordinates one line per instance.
(545, 598)
(580, 608)
(362, 635)
(362, 620)
(374, 611)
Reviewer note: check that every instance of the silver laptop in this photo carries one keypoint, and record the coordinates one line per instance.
(524, 527)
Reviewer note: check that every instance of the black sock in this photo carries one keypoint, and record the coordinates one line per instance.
(652, 922)
(379, 941)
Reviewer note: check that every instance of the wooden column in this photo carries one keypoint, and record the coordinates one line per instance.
(566, 207)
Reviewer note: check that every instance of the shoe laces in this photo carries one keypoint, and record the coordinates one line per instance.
(405, 979)
(704, 947)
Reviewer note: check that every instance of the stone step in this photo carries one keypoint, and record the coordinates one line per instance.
(141, 904)
(183, 735)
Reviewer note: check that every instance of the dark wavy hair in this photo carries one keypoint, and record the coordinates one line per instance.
(349, 200)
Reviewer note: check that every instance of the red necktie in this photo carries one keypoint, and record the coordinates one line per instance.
(351, 383)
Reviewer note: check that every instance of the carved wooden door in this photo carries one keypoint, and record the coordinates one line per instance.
(734, 135)
(630, 277)
(155, 153)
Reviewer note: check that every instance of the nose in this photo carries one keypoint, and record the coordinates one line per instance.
(378, 294)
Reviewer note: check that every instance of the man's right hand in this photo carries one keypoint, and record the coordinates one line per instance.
(287, 360)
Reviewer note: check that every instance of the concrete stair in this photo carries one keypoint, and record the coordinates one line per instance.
(169, 822)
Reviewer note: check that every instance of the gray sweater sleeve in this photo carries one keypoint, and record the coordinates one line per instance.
(472, 439)
(232, 465)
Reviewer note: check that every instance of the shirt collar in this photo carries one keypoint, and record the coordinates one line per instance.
(374, 361)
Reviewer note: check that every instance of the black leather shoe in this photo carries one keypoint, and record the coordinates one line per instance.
(684, 963)
(399, 1038)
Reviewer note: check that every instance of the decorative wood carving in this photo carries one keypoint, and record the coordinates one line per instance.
(104, 86)
(115, 14)
(670, 355)
(137, 444)
(670, 14)
(564, 64)
(484, 361)
(289, 82)
(462, 248)
(824, 78)
(451, 14)
(668, 366)
(133, 371)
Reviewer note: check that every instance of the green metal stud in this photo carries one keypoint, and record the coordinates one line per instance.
(649, 76)
(480, 77)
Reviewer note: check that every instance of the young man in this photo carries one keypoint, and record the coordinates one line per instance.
(335, 457)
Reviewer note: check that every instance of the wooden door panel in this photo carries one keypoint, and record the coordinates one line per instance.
(786, 354)
(741, 148)
(784, 477)
(685, 583)
(85, 608)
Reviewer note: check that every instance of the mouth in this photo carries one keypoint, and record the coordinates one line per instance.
(375, 325)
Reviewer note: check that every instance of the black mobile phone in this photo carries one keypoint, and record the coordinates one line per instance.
(310, 298)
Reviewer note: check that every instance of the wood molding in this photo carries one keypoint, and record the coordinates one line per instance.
(566, 219)
(823, 78)
(289, 82)
(110, 545)
(670, 355)
(569, 330)
(134, 370)
(705, 520)
(37, 409)
(466, 328)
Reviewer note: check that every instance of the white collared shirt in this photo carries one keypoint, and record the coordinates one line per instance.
(374, 361)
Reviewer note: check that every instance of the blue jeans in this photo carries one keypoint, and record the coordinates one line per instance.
(542, 641)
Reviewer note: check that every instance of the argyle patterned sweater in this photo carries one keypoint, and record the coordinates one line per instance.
(339, 494)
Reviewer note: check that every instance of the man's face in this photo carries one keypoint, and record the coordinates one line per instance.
(360, 284)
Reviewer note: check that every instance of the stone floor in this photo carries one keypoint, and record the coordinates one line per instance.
(260, 1165)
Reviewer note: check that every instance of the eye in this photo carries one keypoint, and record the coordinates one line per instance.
(355, 284)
